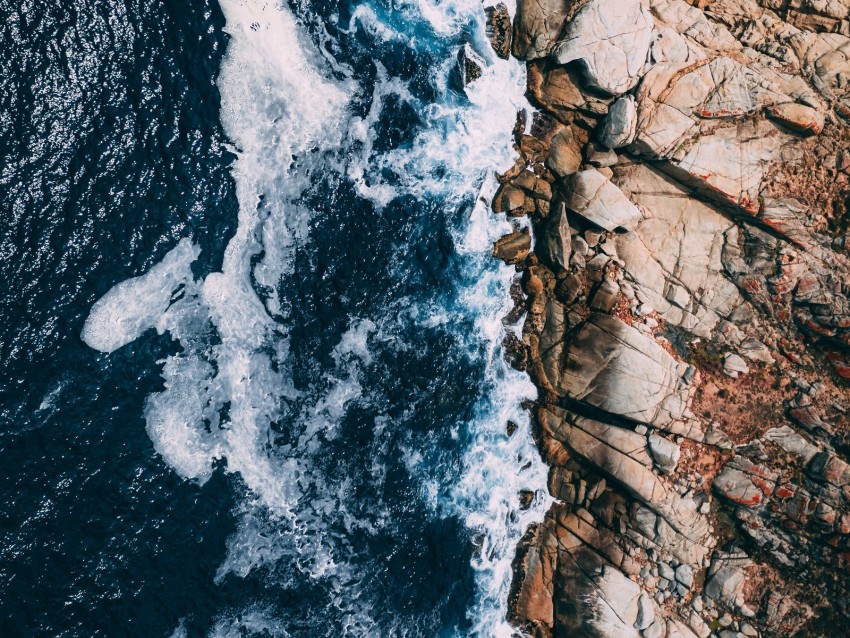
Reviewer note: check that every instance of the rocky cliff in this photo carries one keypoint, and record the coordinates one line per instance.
(681, 201)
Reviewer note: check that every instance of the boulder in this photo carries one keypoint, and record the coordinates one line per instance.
(620, 125)
(797, 117)
(514, 247)
(665, 452)
(595, 198)
(499, 30)
(726, 577)
(557, 242)
(733, 365)
(537, 25)
(611, 39)
(616, 368)
(564, 153)
(605, 296)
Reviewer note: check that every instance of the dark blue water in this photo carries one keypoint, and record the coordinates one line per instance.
(295, 449)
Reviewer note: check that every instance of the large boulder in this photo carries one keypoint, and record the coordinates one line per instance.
(674, 256)
(537, 25)
(616, 368)
(611, 39)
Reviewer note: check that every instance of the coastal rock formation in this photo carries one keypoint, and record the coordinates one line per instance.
(686, 315)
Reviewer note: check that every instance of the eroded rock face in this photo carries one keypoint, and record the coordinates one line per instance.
(686, 316)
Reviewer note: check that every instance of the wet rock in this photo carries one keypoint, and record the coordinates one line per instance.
(508, 199)
(514, 247)
(499, 30)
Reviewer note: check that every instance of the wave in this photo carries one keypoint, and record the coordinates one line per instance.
(277, 405)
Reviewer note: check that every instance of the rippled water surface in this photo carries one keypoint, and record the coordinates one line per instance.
(251, 381)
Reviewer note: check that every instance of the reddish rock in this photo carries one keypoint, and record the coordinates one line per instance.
(797, 117)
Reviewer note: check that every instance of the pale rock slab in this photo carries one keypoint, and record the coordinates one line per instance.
(612, 40)
(597, 199)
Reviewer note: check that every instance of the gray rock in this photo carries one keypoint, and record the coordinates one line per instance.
(612, 40)
(685, 575)
(726, 577)
(665, 452)
(620, 125)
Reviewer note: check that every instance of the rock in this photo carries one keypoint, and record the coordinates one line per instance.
(537, 25)
(564, 154)
(755, 350)
(508, 199)
(733, 365)
(791, 442)
(614, 367)
(685, 575)
(599, 201)
(620, 125)
(556, 245)
(600, 157)
(568, 289)
(558, 90)
(469, 64)
(726, 577)
(499, 30)
(797, 117)
(646, 612)
(674, 255)
(534, 186)
(744, 483)
(513, 248)
(612, 41)
(655, 630)
(605, 296)
(665, 452)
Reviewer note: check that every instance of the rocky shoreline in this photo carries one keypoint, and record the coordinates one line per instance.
(681, 202)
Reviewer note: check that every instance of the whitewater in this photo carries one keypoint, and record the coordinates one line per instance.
(286, 390)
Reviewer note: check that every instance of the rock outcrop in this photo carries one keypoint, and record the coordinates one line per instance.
(685, 314)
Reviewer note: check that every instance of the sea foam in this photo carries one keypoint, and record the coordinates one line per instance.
(287, 108)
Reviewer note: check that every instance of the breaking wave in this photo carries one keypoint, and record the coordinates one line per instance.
(344, 366)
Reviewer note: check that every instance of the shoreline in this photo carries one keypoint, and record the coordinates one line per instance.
(684, 316)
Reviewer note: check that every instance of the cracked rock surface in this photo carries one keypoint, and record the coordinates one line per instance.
(680, 202)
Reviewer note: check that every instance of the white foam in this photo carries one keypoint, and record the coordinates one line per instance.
(288, 121)
(136, 305)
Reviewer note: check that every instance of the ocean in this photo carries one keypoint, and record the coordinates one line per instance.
(251, 379)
